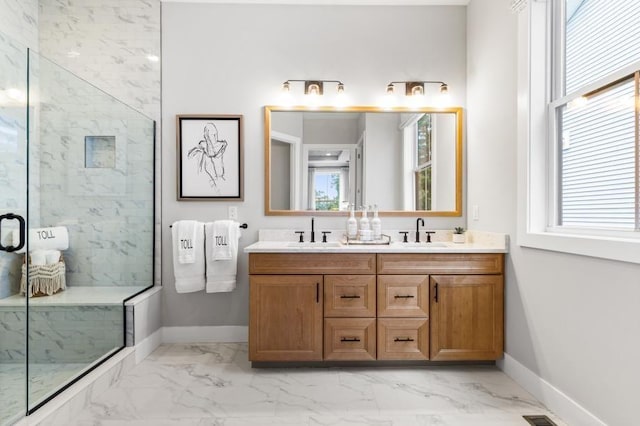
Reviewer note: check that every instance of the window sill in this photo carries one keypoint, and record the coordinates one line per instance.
(620, 249)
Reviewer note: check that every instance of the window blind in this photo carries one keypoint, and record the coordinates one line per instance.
(598, 160)
(598, 176)
(601, 37)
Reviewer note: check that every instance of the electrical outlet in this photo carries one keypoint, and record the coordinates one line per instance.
(476, 212)
(233, 213)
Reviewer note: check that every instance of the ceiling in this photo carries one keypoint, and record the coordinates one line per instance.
(336, 2)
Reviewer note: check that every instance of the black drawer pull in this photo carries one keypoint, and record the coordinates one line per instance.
(349, 339)
(408, 296)
(354, 296)
(406, 339)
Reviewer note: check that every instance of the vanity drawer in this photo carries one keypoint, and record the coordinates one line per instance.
(312, 263)
(350, 296)
(403, 338)
(350, 339)
(440, 263)
(403, 296)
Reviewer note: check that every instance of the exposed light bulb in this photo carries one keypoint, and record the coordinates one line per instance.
(390, 89)
(417, 90)
(313, 90)
(286, 86)
(340, 88)
(444, 89)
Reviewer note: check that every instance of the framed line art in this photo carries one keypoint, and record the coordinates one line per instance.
(209, 156)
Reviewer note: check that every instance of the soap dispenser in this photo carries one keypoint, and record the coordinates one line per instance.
(352, 224)
(376, 224)
(365, 226)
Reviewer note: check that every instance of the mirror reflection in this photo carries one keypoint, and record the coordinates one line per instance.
(324, 160)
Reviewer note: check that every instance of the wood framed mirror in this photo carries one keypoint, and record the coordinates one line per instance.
(320, 160)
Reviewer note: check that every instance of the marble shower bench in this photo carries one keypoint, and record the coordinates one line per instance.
(77, 325)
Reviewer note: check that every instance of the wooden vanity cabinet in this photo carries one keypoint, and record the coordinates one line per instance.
(465, 301)
(363, 306)
(287, 310)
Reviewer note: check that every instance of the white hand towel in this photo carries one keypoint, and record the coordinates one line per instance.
(187, 240)
(189, 276)
(221, 274)
(55, 238)
(38, 257)
(222, 234)
(52, 256)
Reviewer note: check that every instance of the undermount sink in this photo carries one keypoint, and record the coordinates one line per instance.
(421, 245)
(330, 244)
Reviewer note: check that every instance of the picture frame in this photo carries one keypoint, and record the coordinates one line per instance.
(209, 157)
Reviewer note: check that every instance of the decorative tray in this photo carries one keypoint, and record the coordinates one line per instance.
(386, 240)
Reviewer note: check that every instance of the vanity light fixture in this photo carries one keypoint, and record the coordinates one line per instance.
(313, 87)
(416, 88)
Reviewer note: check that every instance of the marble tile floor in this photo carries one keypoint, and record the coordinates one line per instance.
(214, 384)
(44, 379)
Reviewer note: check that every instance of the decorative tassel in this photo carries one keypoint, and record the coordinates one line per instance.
(44, 280)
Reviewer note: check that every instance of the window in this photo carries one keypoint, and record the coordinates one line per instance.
(594, 115)
(579, 141)
(329, 187)
(418, 162)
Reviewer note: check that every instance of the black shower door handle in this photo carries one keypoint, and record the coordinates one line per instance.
(22, 227)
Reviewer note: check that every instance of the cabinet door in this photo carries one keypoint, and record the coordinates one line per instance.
(466, 317)
(285, 317)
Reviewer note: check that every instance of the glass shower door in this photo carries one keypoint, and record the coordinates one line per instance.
(77, 196)
(90, 224)
(13, 213)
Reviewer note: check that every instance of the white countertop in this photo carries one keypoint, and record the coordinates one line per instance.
(284, 241)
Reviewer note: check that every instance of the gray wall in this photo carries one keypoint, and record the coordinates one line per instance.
(281, 175)
(330, 131)
(383, 161)
(572, 320)
(365, 47)
(445, 171)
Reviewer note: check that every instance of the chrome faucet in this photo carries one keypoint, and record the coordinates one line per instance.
(313, 233)
(419, 222)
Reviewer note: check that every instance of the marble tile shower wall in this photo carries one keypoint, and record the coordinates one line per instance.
(55, 335)
(19, 20)
(109, 43)
(108, 211)
(18, 29)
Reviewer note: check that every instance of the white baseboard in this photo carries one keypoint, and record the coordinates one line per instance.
(554, 399)
(148, 345)
(223, 333)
